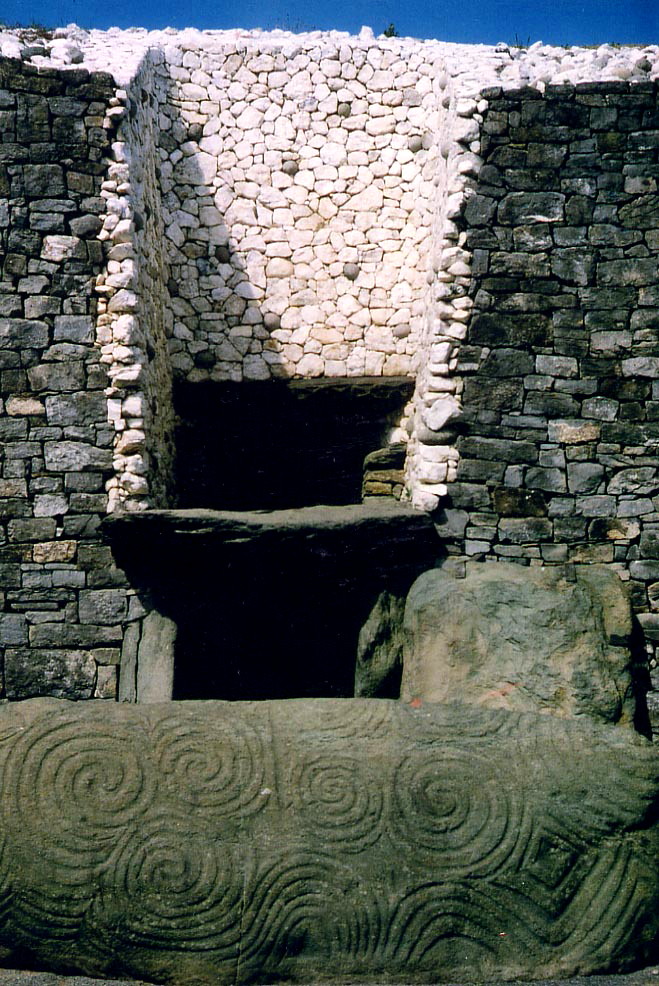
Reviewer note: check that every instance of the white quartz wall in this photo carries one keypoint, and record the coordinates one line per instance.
(297, 203)
(135, 319)
(286, 206)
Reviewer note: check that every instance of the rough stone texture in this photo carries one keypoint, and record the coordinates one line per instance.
(549, 640)
(379, 663)
(237, 206)
(564, 430)
(324, 841)
(54, 429)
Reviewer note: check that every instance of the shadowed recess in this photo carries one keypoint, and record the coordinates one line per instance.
(279, 444)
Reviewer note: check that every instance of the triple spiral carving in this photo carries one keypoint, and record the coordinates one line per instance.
(255, 843)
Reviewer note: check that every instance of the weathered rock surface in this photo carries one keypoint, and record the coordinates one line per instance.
(551, 640)
(379, 663)
(323, 841)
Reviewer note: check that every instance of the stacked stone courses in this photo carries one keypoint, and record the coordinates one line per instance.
(208, 207)
(560, 432)
(56, 440)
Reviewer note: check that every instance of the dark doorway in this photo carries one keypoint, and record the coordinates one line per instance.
(279, 444)
(269, 604)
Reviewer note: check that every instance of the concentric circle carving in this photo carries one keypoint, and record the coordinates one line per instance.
(340, 801)
(451, 803)
(182, 887)
(69, 790)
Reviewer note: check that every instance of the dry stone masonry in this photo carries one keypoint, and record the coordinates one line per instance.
(214, 207)
(455, 251)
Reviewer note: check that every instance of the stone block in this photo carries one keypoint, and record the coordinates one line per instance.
(526, 530)
(551, 480)
(641, 366)
(106, 682)
(59, 248)
(406, 840)
(650, 545)
(550, 404)
(496, 448)
(504, 362)
(641, 481)
(645, 570)
(60, 673)
(54, 551)
(480, 210)
(535, 640)
(638, 272)
(584, 477)
(13, 630)
(57, 376)
(529, 208)
(614, 529)
(596, 506)
(469, 496)
(573, 432)
(515, 502)
(557, 366)
(379, 661)
(533, 329)
(23, 333)
(20, 406)
(32, 529)
(480, 471)
(65, 456)
(43, 180)
(102, 606)
(76, 409)
(74, 328)
(74, 635)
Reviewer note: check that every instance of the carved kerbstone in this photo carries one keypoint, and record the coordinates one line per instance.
(324, 840)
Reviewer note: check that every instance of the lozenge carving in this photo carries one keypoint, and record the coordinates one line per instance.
(324, 839)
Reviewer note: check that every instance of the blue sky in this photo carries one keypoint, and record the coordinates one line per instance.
(488, 21)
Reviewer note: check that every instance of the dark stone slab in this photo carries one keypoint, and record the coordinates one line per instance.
(324, 841)
(377, 533)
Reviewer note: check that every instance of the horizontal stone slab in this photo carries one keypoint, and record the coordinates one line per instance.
(376, 535)
(323, 840)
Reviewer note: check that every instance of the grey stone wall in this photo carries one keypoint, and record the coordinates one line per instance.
(61, 610)
(542, 214)
(560, 432)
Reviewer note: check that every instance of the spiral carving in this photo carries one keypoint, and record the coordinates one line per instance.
(137, 831)
(183, 888)
(452, 805)
(340, 801)
(70, 790)
(218, 765)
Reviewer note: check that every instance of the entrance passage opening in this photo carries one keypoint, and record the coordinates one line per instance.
(276, 445)
(271, 564)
